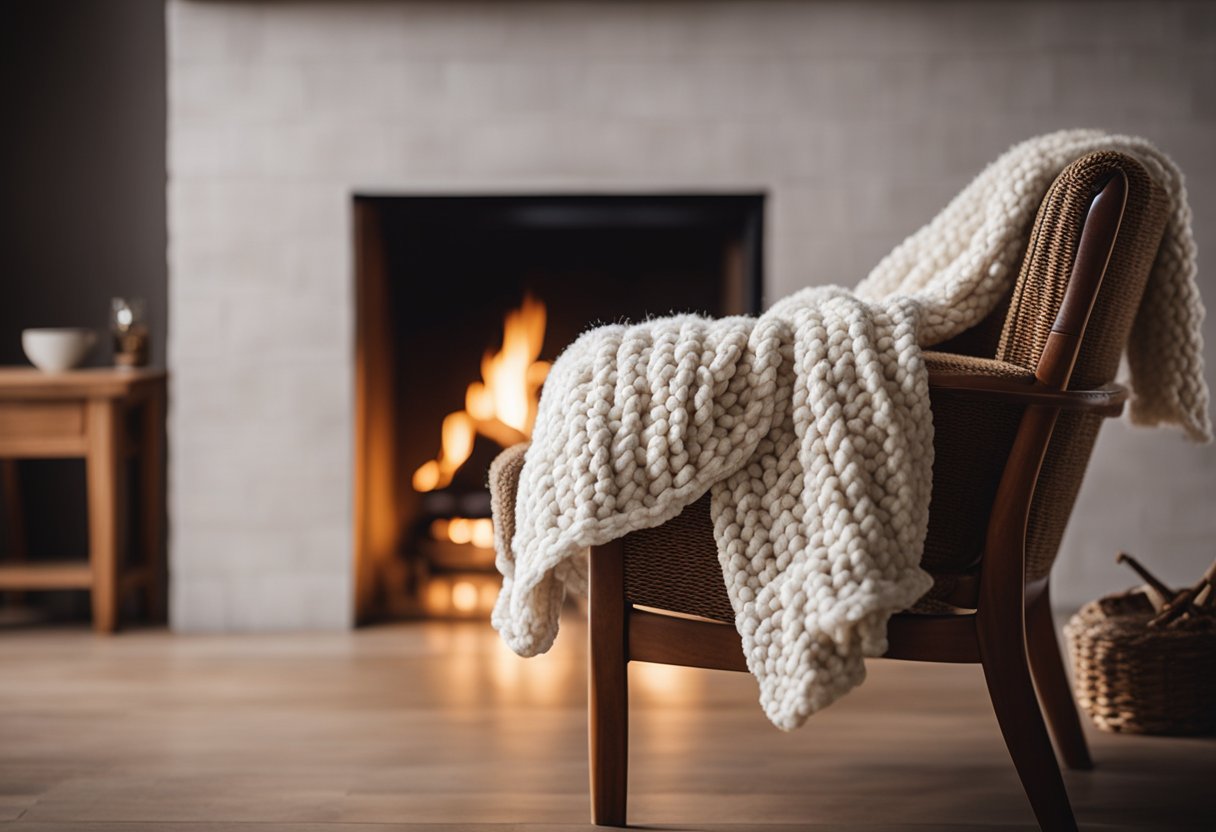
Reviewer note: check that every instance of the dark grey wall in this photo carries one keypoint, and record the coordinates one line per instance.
(82, 165)
(82, 200)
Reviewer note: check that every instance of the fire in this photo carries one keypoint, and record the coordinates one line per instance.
(478, 530)
(500, 406)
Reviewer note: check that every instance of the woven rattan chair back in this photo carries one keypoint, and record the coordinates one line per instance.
(1035, 303)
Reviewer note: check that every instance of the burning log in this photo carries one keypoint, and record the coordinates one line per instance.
(501, 406)
(500, 432)
(455, 536)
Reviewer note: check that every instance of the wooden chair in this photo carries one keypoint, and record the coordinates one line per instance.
(1017, 403)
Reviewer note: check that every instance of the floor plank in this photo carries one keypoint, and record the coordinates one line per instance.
(437, 726)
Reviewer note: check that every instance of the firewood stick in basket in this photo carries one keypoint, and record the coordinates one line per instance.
(1159, 595)
(1205, 596)
(1182, 605)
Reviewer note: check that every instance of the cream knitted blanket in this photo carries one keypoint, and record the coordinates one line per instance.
(811, 426)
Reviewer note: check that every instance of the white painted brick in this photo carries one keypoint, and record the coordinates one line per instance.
(235, 92)
(201, 333)
(295, 600)
(380, 89)
(231, 404)
(533, 147)
(320, 263)
(262, 486)
(198, 604)
(482, 88)
(234, 231)
(361, 31)
(1130, 27)
(236, 602)
(209, 553)
(218, 149)
(420, 153)
(325, 149)
(1097, 85)
(202, 32)
(265, 325)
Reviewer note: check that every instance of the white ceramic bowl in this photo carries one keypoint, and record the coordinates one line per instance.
(56, 350)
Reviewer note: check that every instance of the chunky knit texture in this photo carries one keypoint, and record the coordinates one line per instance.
(811, 427)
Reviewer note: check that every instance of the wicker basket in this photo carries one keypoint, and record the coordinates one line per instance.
(1136, 679)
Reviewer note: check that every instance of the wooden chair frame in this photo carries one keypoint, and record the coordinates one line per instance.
(1010, 633)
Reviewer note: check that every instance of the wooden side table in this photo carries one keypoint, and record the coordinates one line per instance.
(103, 415)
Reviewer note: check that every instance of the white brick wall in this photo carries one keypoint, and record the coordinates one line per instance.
(858, 119)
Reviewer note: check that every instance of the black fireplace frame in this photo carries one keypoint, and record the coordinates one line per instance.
(738, 217)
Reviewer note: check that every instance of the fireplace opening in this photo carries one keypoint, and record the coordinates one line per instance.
(462, 304)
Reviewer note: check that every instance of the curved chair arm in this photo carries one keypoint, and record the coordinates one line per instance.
(1106, 400)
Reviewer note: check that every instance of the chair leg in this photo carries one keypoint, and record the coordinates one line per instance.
(608, 696)
(1007, 672)
(1052, 680)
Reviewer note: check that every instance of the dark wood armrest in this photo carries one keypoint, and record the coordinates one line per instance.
(1106, 400)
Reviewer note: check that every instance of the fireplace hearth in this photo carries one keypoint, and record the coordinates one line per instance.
(462, 303)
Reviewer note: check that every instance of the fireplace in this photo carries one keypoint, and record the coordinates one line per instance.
(462, 302)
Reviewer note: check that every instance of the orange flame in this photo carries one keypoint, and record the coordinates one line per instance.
(502, 405)
(479, 531)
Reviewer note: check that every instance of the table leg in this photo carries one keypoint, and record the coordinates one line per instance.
(14, 518)
(152, 475)
(104, 476)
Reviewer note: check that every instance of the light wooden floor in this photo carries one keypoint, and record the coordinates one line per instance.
(437, 726)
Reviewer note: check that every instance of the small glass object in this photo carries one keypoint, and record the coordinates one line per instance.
(130, 332)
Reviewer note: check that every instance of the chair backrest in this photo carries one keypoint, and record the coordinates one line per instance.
(1032, 309)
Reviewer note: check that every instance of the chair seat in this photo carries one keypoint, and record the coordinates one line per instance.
(675, 567)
